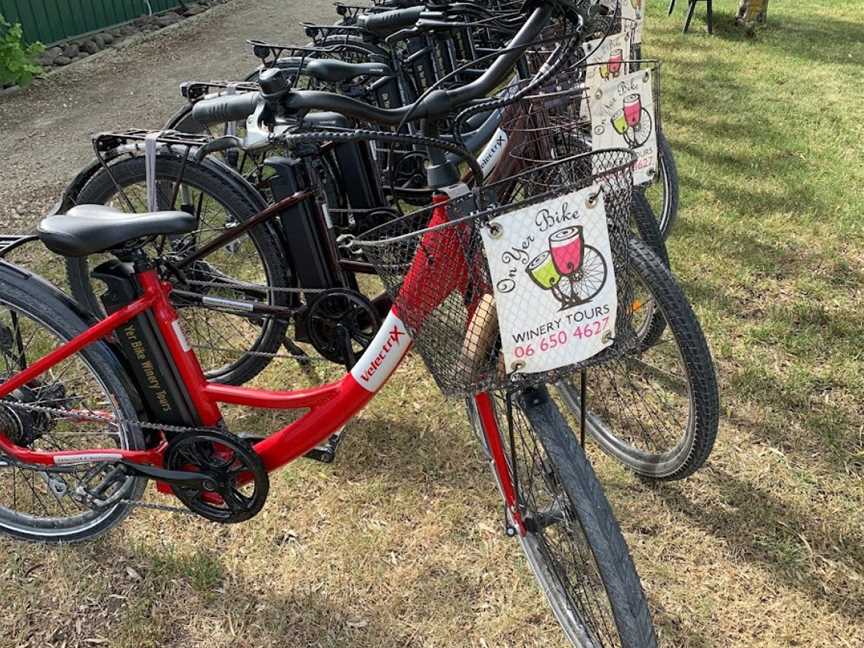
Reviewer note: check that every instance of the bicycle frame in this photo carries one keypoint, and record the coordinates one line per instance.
(330, 406)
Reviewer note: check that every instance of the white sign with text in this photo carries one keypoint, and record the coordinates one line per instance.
(555, 291)
(622, 116)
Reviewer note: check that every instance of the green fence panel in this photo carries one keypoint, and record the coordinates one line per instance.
(50, 21)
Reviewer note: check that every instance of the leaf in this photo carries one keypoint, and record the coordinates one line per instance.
(17, 66)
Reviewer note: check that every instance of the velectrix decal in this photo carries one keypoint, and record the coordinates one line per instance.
(383, 354)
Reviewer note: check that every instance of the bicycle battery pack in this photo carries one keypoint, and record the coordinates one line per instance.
(302, 226)
(163, 393)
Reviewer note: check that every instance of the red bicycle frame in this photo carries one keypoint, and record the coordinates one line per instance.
(330, 406)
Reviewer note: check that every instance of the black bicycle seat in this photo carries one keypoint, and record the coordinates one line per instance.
(87, 229)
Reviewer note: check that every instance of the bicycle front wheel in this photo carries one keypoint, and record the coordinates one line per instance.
(657, 409)
(572, 542)
(662, 195)
(79, 404)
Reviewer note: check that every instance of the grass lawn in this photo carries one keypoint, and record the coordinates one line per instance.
(400, 542)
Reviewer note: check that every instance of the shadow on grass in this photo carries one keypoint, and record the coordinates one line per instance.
(819, 38)
(788, 541)
(413, 455)
(720, 110)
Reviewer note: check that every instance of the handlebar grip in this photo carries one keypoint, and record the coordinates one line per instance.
(225, 108)
(390, 21)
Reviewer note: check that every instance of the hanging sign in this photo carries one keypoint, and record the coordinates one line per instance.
(632, 16)
(623, 116)
(605, 61)
(554, 282)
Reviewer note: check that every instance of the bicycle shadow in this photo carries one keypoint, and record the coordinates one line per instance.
(415, 451)
(192, 599)
(766, 181)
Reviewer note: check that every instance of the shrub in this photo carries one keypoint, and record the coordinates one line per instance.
(17, 65)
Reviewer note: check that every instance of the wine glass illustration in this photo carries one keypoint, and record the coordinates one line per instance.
(566, 247)
(542, 270)
(603, 68)
(633, 109)
(572, 271)
(633, 122)
(616, 57)
(619, 122)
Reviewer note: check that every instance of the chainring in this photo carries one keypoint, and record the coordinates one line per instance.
(341, 323)
(239, 482)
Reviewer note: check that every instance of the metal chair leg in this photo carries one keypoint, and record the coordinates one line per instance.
(671, 7)
(690, 12)
(710, 17)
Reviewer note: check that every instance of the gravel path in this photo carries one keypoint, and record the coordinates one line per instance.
(45, 130)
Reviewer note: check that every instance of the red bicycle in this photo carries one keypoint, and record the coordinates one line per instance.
(91, 410)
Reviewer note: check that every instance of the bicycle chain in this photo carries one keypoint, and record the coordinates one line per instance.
(42, 409)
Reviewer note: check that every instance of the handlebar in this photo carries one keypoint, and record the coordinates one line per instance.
(390, 21)
(434, 105)
(277, 93)
(225, 108)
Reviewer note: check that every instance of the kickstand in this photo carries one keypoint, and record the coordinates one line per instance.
(326, 452)
(583, 396)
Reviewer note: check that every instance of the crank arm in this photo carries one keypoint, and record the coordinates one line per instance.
(175, 477)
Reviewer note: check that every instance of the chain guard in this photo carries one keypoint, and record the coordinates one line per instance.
(239, 482)
(338, 320)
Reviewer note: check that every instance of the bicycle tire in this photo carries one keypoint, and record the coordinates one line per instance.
(666, 213)
(695, 439)
(597, 527)
(653, 325)
(215, 182)
(32, 298)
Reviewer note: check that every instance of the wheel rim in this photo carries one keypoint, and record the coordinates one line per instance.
(659, 196)
(222, 340)
(641, 407)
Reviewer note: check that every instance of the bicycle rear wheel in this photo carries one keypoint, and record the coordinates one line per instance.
(231, 346)
(573, 542)
(80, 403)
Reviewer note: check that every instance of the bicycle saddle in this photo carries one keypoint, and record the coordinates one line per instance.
(87, 229)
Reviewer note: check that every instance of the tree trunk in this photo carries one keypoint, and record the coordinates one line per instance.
(750, 11)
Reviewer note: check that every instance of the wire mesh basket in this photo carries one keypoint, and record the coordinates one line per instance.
(566, 117)
(433, 264)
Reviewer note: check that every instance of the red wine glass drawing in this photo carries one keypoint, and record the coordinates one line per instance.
(633, 121)
(573, 272)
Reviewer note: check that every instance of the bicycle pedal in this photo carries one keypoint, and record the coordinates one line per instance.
(326, 452)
